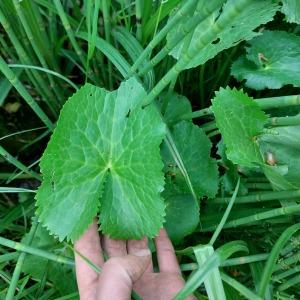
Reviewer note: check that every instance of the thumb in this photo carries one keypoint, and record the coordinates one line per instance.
(119, 274)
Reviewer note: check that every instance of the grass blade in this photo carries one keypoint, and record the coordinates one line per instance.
(18, 164)
(46, 71)
(226, 214)
(13, 79)
(240, 287)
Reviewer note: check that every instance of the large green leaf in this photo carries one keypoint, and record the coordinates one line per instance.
(272, 60)
(240, 121)
(285, 148)
(104, 157)
(194, 147)
(291, 9)
(258, 12)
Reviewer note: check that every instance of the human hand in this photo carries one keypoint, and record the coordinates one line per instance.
(129, 268)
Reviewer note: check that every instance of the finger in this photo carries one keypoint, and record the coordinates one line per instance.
(134, 246)
(88, 246)
(166, 257)
(113, 247)
(119, 274)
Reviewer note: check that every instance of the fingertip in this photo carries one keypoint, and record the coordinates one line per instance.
(163, 233)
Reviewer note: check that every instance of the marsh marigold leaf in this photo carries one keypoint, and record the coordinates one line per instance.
(194, 147)
(272, 60)
(104, 157)
(240, 120)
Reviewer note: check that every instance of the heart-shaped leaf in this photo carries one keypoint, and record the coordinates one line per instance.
(104, 158)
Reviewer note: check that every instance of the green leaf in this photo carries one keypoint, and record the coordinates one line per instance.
(257, 13)
(285, 149)
(182, 214)
(194, 147)
(291, 9)
(240, 121)
(104, 157)
(177, 106)
(272, 60)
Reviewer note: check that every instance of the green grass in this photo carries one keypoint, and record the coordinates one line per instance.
(49, 49)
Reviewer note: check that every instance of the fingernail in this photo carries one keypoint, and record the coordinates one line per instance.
(144, 252)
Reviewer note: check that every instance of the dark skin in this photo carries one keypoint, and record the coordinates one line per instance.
(128, 268)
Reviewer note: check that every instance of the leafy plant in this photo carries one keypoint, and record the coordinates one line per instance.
(102, 157)
(155, 132)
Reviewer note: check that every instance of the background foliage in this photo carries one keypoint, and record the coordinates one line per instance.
(202, 96)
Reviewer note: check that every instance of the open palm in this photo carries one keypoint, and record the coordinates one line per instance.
(128, 268)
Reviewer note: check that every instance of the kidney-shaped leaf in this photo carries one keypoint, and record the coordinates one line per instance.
(240, 120)
(104, 157)
(272, 60)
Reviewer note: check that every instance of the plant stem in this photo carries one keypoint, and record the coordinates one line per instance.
(284, 121)
(227, 17)
(264, 103)
(277, 102)
(245, 260)
(260, 197)
(273, 213)
(259, 186)
(182, 12)
(186, 29)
